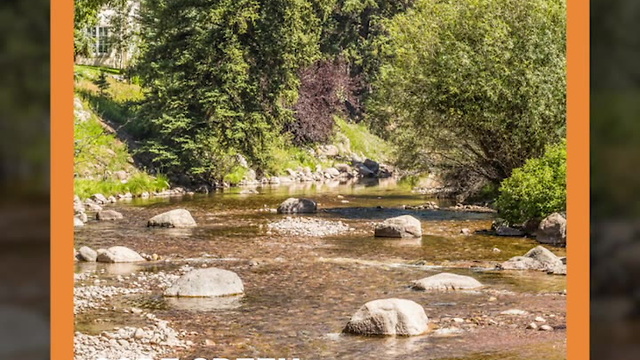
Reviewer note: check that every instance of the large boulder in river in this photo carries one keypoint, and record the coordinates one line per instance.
(206, 283)
(538, 258)
(175, 218)
(388, 317)
(108, 215)
(297, 206)
(446, 281)
(399, 227)
(118, 254)
(553, 230)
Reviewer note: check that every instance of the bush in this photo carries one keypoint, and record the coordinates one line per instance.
(537, 189)
(477, 85)
(325, 89)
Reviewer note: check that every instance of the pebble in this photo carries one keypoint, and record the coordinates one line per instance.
(514, 312)
(301, 226)
(129, 342)
(546, 328)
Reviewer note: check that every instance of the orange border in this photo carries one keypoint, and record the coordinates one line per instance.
(578, 179)
(61, 45)
(62, 173)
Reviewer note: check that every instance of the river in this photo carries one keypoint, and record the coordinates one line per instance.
(300, 291)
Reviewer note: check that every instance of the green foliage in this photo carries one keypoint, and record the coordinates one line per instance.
(98, 154)
(136, 185)
(117, 103)
(221, 78)
(353, 30)
(473, 85)
(537, 189)
(289, 157)
(102, 83)
(236, 175)
(362, 141)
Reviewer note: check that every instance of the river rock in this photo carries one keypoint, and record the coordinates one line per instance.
(118, 254)
(538, 258)
(388, 317)
(108, 215)
(99, 199)
(205, 283)
(502, 230)
(363, 170)
(91, 206)
(328, 150)
(87, 254)
(78, 207)
(333, 172)
(553, 230)
(175, 218)
(399, 227)
(343, 168)
(77, 222)
(297, 206)
(82, 216)
(446, 281)
(372, 165)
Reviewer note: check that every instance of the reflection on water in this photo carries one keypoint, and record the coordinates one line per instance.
(301, 291)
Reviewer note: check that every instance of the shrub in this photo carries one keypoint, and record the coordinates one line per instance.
(236, 175)
(325, 89)
(478, 85)
(536, 189)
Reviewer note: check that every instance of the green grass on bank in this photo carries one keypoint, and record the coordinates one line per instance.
(136, 185)
(98, 153)
(363, 142)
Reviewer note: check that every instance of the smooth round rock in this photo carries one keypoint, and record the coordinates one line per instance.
(108, 215)
(77, 222)
(388, 317)
(118, 254)
(87, 254)
(297, 206)
(446, 281)
(538, 258)
(205, 283)
(174, 218)
(399, 227)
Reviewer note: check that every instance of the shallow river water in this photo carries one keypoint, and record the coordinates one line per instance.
(301, 291)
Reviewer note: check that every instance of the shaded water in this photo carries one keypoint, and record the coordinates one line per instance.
(301, 291)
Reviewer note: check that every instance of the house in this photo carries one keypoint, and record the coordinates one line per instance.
(114, 37)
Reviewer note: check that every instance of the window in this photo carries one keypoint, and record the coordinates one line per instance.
(102, 43)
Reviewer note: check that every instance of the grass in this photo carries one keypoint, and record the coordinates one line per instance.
(292, 157)
(136, 185)
(363, 142)
(117, 102)
(98, 152)
(235, 175)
